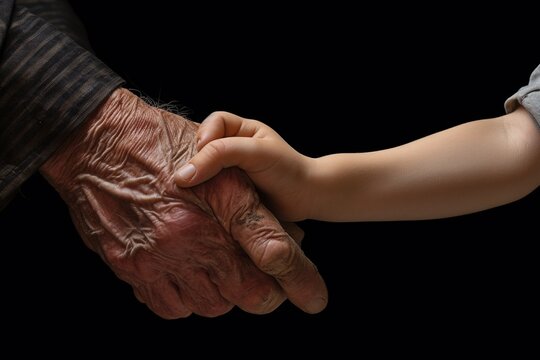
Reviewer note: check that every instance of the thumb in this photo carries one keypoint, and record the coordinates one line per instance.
(215, 156)
(277, 254)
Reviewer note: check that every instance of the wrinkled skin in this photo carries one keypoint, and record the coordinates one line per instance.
(201, 250)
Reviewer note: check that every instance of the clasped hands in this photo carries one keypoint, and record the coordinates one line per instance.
(196, 250)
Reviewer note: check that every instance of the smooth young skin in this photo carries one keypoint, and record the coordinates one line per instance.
(464, 169)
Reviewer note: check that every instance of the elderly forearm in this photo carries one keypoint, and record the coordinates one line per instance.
(468, 168)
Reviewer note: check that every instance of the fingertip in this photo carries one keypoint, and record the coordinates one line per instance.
(316, 305)
(310, 292)
(185, 174)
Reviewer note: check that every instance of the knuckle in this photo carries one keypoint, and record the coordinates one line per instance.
(219, 115)
(215, 149)
(262, 300)
(256, 123)
(120, 262)
(179, 314)
(172, 315)
(166, 309)
(277, 258)
(112, 255)
(213, 310)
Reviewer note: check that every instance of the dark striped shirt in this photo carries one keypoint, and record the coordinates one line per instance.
(49, 85)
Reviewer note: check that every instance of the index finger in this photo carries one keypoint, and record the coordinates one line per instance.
(221, 124)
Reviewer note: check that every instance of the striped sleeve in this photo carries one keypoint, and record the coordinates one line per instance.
(48, 87)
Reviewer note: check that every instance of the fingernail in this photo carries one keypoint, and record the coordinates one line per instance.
(186, 172)
(316, 305)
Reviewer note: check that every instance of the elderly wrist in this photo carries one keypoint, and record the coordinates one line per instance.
(72, 155)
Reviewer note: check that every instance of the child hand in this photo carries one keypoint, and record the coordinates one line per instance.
(279, 172)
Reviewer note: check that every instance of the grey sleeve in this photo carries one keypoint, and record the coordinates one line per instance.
(528, 96)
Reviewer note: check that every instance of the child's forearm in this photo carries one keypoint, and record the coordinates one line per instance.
(464, 169)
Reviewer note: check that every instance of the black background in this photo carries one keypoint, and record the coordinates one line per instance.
(328, 82)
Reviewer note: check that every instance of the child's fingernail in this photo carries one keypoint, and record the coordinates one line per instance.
(186, 172)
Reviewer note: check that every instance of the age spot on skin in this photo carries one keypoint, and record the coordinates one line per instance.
(251, 219)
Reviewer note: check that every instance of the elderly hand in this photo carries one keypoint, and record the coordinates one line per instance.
(200, 250)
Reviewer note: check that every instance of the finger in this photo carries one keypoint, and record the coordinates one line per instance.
(221, 124)
(246, 153)
(244, 285)
(138, 294)
(294, 231)
(162, 297)
(227, 266)
(201, 295)
(253, 291)
(277, 254)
